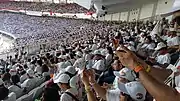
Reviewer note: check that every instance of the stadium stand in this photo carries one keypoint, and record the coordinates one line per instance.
(88, 60)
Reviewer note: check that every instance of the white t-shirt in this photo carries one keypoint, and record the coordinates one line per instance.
(18, 91)
(66, 97)
(173, 41)
(108, 59)
(99, 65)
(162, 59)
(23, 78)
(38, 69)
(113, 95)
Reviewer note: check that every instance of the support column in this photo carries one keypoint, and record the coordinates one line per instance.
(154, 10)
(128, 16)
(139, 13)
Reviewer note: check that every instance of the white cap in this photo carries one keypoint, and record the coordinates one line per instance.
(1, 81)
(61, 66)
(125, 73)
(13, 72)
(74, 82)
(78, 53)
(63, 78)
(30, 72)
(97, 52)
(135, 89)
(160, 46)
(71, 69)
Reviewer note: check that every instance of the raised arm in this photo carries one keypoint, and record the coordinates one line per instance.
(157, 89)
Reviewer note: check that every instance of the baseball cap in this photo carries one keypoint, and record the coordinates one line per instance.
(125, 73)
(62, 78)
(30, 72)
(1, 81)
(71, 69)
(135, 89)
(160, 46)
(97, 52)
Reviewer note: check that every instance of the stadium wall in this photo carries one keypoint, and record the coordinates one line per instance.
(146, 11)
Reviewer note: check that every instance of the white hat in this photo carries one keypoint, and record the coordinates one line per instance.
(135, 89)
(97, 52)
(160, 46)
(1, 81)
(61, 66)
(74, 82)
(78, 53)
(30, 72)
(63, 78)
(71, 69)
(125, 73)
(13, 72)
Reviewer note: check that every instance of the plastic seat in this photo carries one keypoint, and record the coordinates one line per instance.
(11, 97)
(27, 97)
(39, 82)
(38, 92)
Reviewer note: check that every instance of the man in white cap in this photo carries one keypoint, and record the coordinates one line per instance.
(80, 62)
(99, 61)
(163, 58)
(134, 89)
(125, 75)
(174, 40)
(70, 94)
(30, 82)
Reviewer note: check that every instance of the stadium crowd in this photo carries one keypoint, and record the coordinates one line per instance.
(92, 61)
(40, 6)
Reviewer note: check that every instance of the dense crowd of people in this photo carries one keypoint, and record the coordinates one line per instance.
(92, 60)
(42, 6)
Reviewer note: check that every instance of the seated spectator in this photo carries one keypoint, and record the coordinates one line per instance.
(173, 40)
(99, 63)
(16, 86)
(108, 76)
(70, 94)
(3, 90)
(23, 76)
(6, 77)
(163, 58)
(30, 82)
(109, 56)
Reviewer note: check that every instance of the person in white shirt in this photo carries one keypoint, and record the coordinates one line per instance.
(109, 56)
(16, 86)
(80, 62)
(30, 82)
(38, 68)
(163, 57)
(69, 94)
(173, 40)
(99, 63)
(23, 76)
(149, 44)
